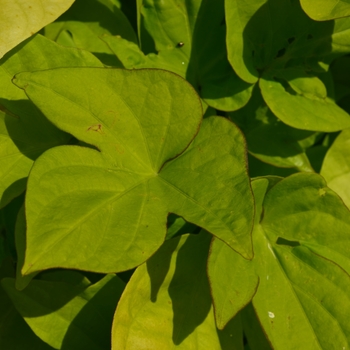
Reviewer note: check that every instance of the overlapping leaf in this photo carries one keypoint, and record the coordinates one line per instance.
(336, 166)
(323, 10)
(68, 316)
(167, 303)
(22, 18)
(301, 101)
(301, 266)
(275, 41)
(85, 22)
(112, 205)
(24, 132)
(191, 43)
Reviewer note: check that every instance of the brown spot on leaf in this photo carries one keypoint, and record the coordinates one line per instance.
(96, 128)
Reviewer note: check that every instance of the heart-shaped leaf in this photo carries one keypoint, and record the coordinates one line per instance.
(300, 267)
(113, 204)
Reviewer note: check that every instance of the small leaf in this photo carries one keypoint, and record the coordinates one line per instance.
(21, 19)
(301, 102)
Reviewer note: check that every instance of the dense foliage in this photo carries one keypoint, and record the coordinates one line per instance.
(175, 173)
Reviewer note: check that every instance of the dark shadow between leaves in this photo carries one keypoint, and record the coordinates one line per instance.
(52, 296)
(177, 226)
(29, 129)
(94, 321)
(156, 271)
(13, 191)
(189, 288)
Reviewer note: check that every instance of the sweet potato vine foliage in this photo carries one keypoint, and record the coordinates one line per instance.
(175, 174)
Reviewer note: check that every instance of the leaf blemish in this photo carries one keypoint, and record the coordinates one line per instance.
(96, 128)
(271, 314)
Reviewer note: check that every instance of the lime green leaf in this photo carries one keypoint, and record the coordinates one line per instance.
(68, 316)
(191, 44)
(300, 101)
(230, 294)
(14, 332)
(301, 266)
(268, 138)
(21, 19)
(85, 22)
(167, 302)
(323, 10)
(336, 166)
(24, 132)
(142, 121)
